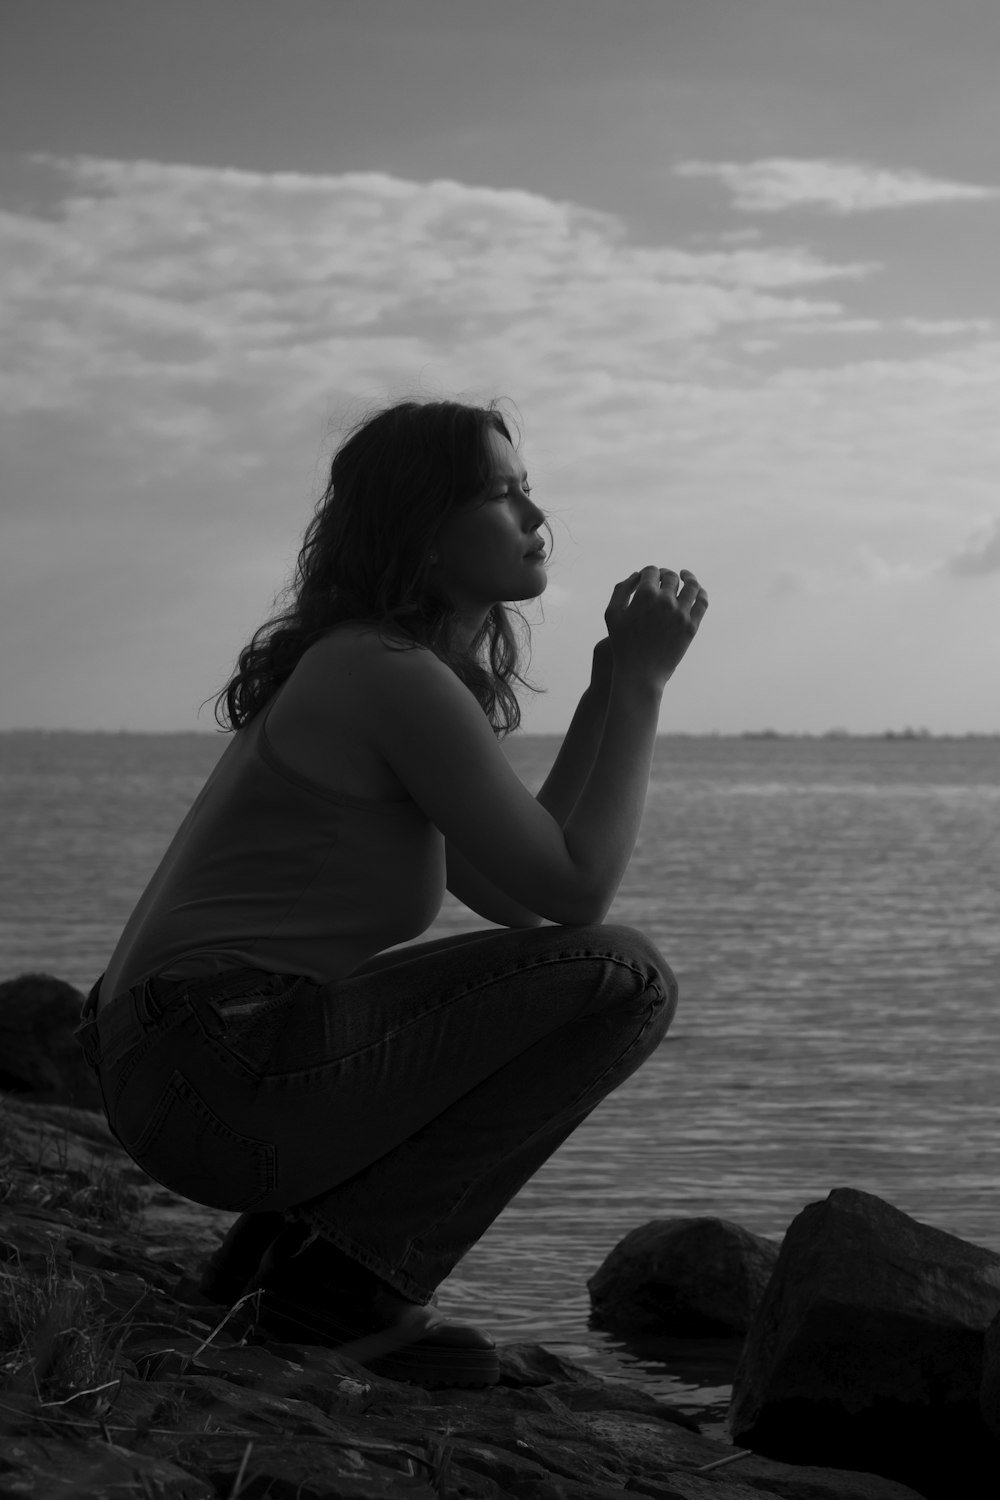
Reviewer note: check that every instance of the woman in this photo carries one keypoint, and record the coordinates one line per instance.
(261, 1044)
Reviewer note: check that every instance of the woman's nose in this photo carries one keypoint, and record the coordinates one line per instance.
(534, 517)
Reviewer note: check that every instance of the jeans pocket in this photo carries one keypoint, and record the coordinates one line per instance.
(243, 1030)
(186, 1146)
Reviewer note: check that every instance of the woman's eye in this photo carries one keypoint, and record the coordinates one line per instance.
(525, 489)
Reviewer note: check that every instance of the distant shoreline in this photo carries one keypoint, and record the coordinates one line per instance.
(907, 734)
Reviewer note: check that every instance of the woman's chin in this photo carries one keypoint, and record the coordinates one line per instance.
(533, 592)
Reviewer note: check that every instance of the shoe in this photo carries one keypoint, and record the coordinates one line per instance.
(231, 1269)
(369, 1323)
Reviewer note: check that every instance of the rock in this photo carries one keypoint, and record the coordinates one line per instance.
(155, 1393)
(989, 1389)
(867, 1349)
(688, 1277)
(93, 1468)
(534, 1365)
(807, 1482)
(39, 1055)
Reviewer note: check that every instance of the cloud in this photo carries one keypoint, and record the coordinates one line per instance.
(875, 568)
(842, 187)
(176, 339)
(785, 584)
(178, 290)
(980, 555)
(948, 327)
(204, 322)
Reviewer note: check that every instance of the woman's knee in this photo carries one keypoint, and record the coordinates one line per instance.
(660, 993)
(637, 948)
(634, 951)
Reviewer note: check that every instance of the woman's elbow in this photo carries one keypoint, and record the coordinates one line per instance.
(579, 912)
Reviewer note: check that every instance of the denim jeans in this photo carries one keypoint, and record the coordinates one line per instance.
(396, 1111)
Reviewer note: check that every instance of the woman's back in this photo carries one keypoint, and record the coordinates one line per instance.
(302, 853)
(317, 725)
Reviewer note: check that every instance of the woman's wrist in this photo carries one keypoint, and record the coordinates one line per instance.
(639, 682)
(602, 669)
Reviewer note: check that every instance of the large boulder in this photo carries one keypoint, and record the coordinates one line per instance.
(989, 1390)
(867, 1349)
(40, 1057)
(688, 1277)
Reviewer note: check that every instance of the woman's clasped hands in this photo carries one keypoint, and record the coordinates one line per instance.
(652, 619)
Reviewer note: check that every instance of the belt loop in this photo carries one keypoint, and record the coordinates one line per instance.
(90, 1004)
(86, 1031)
(87, 1035)
(145, 1001)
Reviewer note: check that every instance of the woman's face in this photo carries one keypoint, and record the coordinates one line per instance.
(488, 550)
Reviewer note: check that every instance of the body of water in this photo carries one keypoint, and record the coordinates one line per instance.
(831, 908)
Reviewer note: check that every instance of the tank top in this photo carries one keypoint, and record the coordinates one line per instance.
(273, 871)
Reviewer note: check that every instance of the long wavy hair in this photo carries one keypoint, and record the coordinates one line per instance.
(365, 557)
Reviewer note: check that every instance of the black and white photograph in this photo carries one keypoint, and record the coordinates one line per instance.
(500, 749)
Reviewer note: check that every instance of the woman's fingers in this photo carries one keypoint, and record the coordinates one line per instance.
(653, 617)
(620, 596)
(622, 592)
(691, 589)
(683, 587)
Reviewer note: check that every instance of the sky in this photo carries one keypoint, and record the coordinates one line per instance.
(734, 262)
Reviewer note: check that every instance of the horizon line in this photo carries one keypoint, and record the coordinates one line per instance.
(906, 733)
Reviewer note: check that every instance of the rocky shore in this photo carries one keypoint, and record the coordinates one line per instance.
(118, 1378)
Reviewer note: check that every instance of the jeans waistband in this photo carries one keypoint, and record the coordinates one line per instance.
(123, 1018)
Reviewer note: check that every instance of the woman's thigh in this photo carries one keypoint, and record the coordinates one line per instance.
(407, 952)
(447, 1011)
(348, 1071)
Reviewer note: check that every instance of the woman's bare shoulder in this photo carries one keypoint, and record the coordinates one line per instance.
(325, 722)
(361, 640)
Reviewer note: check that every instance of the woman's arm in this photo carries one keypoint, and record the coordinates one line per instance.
(575, 759)
(432, 733)
(558, 796)
(488, 900)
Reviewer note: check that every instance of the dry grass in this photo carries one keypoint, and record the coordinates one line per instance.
(55, 1341)
(44, 1178)
(100, 1196)
(56, 1346)
(63, 1365)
